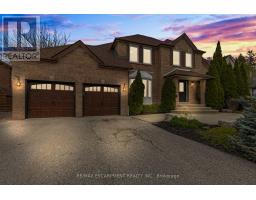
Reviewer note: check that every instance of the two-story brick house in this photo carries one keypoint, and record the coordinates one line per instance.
(81, 80)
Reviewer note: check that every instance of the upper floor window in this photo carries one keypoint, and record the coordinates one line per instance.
(176, 58)
(188, 60)
(147, 55)
(134, 53)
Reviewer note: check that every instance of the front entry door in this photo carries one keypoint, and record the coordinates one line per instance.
(183, 91)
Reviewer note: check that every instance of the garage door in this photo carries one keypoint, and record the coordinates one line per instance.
(46, 99)
(101, 100)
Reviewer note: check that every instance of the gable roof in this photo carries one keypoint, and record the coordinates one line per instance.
(189, 41)
(186, 72)
(103, 53)
(141, 39)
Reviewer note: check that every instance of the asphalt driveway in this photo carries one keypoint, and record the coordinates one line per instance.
(110, 150)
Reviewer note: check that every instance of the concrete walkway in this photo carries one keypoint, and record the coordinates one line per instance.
(207, 118)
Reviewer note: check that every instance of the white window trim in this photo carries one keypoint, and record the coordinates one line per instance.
(190, 66)
(175, 64)
(135, 46)
(150, 62)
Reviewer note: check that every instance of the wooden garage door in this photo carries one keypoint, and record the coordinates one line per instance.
(50, 100)
(101, 100)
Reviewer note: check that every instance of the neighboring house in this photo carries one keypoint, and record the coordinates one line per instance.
(81, 80)
(230, 60)
(5, 87)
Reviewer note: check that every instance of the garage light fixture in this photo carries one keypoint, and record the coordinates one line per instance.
(124, 87)
(18, 83)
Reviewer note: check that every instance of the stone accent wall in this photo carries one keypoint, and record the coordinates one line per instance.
(78, 67)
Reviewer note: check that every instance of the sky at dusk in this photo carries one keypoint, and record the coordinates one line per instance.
(237, 33)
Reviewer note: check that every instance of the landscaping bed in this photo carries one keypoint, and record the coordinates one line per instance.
(211, 135)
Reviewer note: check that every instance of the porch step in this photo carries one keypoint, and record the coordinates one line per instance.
(193, 108)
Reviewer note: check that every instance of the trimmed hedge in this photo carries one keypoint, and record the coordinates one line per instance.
(168, 98)
(136, 94)
(183, 122)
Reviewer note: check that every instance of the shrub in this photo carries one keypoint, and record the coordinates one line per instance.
(219, 136)
(153, 108)
(136, 94)
(236, 104)
(245, 141)
(183, 122)
(168, 98)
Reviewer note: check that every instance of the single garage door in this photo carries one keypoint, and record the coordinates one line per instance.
(101, 100)
(47, 99)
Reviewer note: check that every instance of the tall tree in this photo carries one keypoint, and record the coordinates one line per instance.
(136, 94)
(229, 83)
(238, 78)
(245, 81)
(217, 58)
(251, 57)
(214, 96)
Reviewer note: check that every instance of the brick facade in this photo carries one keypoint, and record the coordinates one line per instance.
(109, 64)
(78, 67)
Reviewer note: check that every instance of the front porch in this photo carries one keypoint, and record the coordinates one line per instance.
(190, 86)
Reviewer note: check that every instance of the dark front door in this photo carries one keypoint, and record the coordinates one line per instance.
(101, 100)
(47, 99)
(183, 91)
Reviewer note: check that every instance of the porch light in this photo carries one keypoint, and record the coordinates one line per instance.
(124, 87)
(192, 83)
(18, 83)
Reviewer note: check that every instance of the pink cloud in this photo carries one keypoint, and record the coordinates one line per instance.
(236, 29)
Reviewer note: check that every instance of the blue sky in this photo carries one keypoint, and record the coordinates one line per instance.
(237, 33)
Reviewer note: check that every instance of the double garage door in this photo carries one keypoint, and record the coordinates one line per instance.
(49, 99)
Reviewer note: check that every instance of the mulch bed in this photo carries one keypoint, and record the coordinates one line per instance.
(192, 134)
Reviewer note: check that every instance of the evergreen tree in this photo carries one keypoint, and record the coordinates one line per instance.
(245, 81)
(168, 98)
(214, 89)
(217, 58)
(228, 81)
(241, 73)
(214, 96)
(238, 78)
(245, 141)
(136, 94)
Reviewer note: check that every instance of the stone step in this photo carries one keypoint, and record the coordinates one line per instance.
(193, 108)
(190, 105)
(194, 111)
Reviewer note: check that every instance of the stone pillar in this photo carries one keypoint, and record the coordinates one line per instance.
(79, 99)
(202, 91)
(176, 82)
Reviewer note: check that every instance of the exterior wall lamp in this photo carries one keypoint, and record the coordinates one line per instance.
(192, 83)
(124, 87)
(18, 83)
